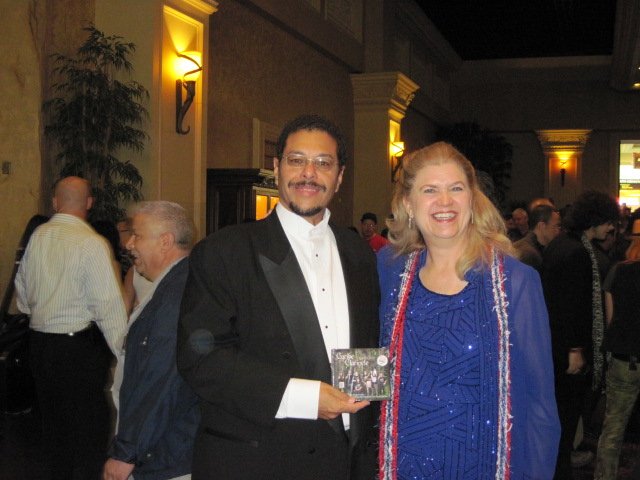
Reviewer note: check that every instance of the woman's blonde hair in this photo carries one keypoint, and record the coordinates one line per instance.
(486, 229)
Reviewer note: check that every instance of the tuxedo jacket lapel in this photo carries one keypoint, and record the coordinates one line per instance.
(352, 274)
(289, 288)
(287, 283)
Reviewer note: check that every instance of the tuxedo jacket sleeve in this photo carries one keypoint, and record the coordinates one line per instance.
(237, 340)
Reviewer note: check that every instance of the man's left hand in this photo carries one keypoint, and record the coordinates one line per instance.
(116, 470)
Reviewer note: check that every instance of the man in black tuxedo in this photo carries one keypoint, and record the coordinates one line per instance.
(264, 305)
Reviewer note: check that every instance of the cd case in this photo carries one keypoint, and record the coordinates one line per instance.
(362, 373)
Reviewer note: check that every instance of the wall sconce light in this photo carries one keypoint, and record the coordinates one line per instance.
(396, 151)
(563, 171)
(189, 66)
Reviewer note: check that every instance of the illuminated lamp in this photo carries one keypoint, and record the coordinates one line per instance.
(188, 65)
(564, 160)
(396, 150)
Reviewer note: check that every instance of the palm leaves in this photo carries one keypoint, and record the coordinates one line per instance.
(94, 116)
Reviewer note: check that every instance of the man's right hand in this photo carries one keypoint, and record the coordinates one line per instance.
(576, 362)
(333, 402)
(117, 470)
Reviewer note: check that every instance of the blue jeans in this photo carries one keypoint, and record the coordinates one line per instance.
(623, 386)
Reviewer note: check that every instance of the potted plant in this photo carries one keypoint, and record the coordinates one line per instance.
(94, 116)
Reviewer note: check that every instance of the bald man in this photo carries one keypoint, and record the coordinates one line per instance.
(67, 284)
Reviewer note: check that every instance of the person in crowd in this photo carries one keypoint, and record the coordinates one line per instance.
(622, 339)
(468, 334)
(544, 226)
(622, 237)
(158, 412)
(369, 228)
(34, 222)
(265, 303)
(124, 232)
(572, 290)
(67, 284)
(538, 201)
(521, 222)
(110, 232)
(508, 221)
(135, 286)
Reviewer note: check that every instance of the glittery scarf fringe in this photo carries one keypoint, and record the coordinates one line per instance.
(389, 412)
(500, 304)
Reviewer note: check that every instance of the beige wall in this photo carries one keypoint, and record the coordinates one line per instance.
(19, 128)
(32, 30)
(258, 70)
(172, 165)
(528, 166)
(137, 22)
(516, 97)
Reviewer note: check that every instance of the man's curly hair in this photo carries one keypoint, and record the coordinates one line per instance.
(591, 209)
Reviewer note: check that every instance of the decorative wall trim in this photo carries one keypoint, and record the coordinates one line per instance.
(205, 6)
(392, 90)
(553, 140)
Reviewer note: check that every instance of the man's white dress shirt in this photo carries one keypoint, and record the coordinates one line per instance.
(317, 253)
(66, 280)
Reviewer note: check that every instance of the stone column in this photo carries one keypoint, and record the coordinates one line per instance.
(380, 103)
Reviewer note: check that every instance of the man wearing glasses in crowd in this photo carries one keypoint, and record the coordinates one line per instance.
(264, 305)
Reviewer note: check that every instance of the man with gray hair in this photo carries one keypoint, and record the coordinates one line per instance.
(158, 411)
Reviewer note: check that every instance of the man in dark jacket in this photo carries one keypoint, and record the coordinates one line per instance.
(158, 411)
(572, 290)
(544, 226)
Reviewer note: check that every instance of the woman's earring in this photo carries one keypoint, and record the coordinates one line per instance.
(471, 217)
(410, 222)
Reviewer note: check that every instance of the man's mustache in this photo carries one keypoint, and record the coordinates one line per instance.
(307, 183)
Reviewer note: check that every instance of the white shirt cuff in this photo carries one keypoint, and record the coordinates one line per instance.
(300, 399)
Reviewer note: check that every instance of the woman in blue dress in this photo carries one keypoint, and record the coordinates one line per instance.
(468, 332)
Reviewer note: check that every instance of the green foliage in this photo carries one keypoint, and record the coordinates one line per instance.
(489, 153)
(94, 116)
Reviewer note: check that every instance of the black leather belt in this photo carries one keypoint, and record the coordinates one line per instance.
(632, 359)
(78, 333)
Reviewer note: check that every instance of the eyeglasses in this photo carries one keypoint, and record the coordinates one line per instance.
(321, 162)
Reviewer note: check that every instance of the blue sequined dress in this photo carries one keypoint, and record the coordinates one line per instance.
(448, 407)
(442, 398)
